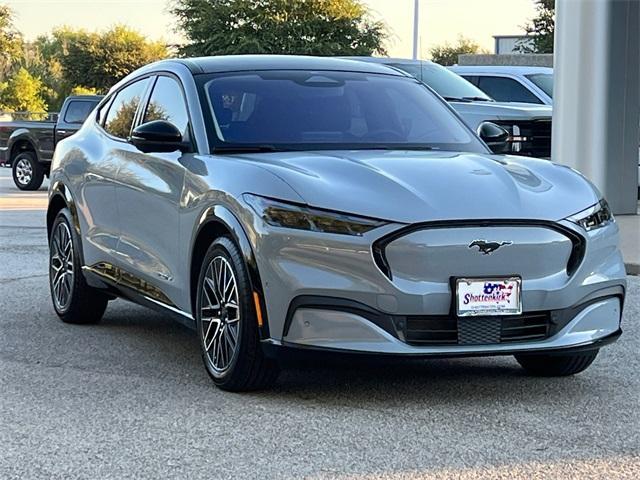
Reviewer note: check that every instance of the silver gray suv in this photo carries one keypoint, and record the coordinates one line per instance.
(277, 203)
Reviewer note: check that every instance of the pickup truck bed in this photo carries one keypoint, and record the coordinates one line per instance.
(27, 146)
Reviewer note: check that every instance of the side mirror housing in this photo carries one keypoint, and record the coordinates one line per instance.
(158, 136)
(494, 136)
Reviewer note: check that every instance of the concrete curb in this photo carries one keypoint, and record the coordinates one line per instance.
(632, 268)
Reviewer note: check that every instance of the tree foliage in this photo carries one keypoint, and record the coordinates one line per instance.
(10, 42)
(98, 60)
(22, 93)
(303, 27)
(540, 29)
(447, 54)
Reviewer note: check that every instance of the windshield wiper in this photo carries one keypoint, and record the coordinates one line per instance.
(247, 149)
(478, 99)
(400, 146)
(458, 99)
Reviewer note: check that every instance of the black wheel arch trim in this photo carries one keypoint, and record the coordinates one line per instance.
(222, 215)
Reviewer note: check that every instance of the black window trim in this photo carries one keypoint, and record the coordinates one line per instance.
(139, 117)
(109, 100)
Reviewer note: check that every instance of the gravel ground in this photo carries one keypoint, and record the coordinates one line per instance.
(129, 398)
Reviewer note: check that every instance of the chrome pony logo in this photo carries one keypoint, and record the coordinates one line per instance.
(487, 248)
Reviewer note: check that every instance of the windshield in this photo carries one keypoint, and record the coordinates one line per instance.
(544, 81)
(307, 110)
(448, 84)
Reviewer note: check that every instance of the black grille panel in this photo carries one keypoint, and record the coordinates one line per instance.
(445, 330)
(537, 134)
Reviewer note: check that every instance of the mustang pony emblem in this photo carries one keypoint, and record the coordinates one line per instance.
(487, 247)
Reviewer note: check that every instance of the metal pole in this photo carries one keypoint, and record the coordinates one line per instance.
(416, 16)
(596, 95)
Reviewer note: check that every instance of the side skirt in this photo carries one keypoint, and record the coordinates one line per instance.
(119, 283)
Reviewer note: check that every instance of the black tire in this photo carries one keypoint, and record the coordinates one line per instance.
(249, 369)
(28, 173)
(556, 365)
(85, 304)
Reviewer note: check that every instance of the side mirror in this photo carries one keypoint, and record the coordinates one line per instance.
(158, 136)
(494, 136)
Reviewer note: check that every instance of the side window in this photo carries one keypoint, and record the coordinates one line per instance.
(506, 90)
(77, 111)
(102, 111)
(471, 78)
(167, 103)
(123, 108)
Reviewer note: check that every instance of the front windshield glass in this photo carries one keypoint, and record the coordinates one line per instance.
(448, 84)
(307, 110)
(544, 81)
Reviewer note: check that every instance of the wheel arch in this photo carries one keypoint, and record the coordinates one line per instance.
(60, 197)
(21, 142)
(217, 221)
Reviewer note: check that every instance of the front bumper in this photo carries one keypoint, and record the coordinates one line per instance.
(344, 270)
(340, 325)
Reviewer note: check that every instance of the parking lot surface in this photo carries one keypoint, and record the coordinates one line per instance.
(129, 398)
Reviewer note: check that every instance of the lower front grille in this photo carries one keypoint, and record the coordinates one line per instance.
(445, 330)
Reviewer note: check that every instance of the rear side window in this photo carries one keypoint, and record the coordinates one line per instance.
(167, 103)
(506, 90)
(78, 111)
(123, 108)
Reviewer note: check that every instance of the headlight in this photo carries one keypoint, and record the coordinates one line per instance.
(289, 215)
(593, 217)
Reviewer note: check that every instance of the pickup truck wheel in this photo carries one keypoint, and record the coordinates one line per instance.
(28, 173)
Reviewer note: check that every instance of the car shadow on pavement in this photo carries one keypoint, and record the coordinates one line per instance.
(347, 380)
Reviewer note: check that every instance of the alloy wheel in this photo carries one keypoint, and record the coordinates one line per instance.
(220, 314)
(61, 266)
(24, 171)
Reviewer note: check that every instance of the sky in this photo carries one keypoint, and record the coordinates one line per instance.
(440, 20)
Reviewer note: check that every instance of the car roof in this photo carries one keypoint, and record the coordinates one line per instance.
(515, 69)
(240, 63)
(389, 60)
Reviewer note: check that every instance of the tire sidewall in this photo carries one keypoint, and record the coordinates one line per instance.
(247, 331)
(36, 169)
(65, 216)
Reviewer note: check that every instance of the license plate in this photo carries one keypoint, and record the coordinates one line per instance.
(488, 296)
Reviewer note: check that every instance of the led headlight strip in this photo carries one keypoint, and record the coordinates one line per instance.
(288, 215)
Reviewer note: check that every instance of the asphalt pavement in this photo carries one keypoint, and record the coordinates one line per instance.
(129, 398)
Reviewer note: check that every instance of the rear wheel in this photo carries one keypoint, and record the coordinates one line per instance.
(227, 323)
(557, 365)
(73, 300)
(28, 173)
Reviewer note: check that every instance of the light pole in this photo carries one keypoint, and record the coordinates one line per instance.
(416, 16)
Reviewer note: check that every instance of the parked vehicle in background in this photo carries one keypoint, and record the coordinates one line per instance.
(285, 202)
(511, 83)
(515, 84)
(27, 146)
(529, 125)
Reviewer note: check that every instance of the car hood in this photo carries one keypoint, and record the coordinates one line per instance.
(410, 186)
(504, 111)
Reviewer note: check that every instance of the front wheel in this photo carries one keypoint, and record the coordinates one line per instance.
(73, 300)
(28, 173)
(556, 365)
(227, 322)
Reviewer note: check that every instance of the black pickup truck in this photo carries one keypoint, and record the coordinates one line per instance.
(27, 146)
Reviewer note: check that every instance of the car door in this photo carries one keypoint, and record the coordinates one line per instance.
(106, 149)
(148, 194)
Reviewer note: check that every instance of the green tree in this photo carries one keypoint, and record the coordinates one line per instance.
(10, 42)
(447, 54)
(540, 29)
(22, 92)
(97, 60)
(305, 27)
